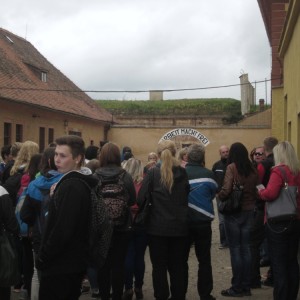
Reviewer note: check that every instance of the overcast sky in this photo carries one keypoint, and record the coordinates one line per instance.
(147, 44)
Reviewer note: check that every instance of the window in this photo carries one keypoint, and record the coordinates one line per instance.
(7, 134)
(44, 76)
(50, 135)
(42, 139)
(19, 133)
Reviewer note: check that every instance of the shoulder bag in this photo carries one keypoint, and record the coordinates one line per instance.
(233, 203)
(285, 206)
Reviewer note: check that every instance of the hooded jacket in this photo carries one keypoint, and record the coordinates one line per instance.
(64, 247)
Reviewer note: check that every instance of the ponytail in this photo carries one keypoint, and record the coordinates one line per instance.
(167, 151)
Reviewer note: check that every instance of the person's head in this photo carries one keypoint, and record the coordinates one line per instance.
(5, 153)
(182, 155)
(284, 153)
(224, 152)
(196, 154)
(257, 155)
(269, 143)
(126, 153)
(93, 164)
(47, 161)
(15, 148)
(238, 154)
(34, 165)
(152, 156)
(126, 149)
(166, 151)
(135, 168)
(69, 153)
(28, 149)
(110, 155)
(91, 152)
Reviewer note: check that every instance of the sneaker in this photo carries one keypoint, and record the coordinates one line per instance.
(127, 295)
(231, 293)
(138, 293)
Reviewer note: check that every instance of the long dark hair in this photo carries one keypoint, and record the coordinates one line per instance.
(47, 162)
(238, 154)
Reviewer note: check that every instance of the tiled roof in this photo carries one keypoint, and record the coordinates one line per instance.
(21, 67)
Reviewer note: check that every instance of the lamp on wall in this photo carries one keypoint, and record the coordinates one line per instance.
(66, 123)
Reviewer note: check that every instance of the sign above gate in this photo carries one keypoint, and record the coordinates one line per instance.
(186, 131)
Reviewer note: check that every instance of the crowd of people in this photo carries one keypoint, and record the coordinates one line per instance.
(45, 204)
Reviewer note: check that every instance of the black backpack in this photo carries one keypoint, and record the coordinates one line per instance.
(115, 197)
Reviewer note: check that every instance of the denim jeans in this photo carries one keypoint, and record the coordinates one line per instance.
(135, 262)
(283, 238)
(238, 228)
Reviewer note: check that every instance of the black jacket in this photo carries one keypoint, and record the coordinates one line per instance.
(168, 214)
(64, 247)
(219, 168)
(7, 214)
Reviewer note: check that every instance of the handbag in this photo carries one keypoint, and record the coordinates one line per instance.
(9, 271)
(285, 206)
(143, 213)
(233, 203)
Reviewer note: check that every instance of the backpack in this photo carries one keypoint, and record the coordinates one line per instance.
(100, 229)
(20, 202)
(115, 198)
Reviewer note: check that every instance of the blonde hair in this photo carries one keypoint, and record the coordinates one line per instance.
(182, 153)
(152, 155)
(284, 153)
(166, 151)
(135, 168)
(28, 149)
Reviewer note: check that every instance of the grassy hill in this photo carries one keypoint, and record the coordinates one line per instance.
(227, 106)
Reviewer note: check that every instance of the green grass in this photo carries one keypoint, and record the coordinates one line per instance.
(227, 106)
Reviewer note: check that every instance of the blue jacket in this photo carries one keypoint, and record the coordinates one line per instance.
(203, 187)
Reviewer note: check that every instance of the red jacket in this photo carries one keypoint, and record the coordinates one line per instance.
(276, 182)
